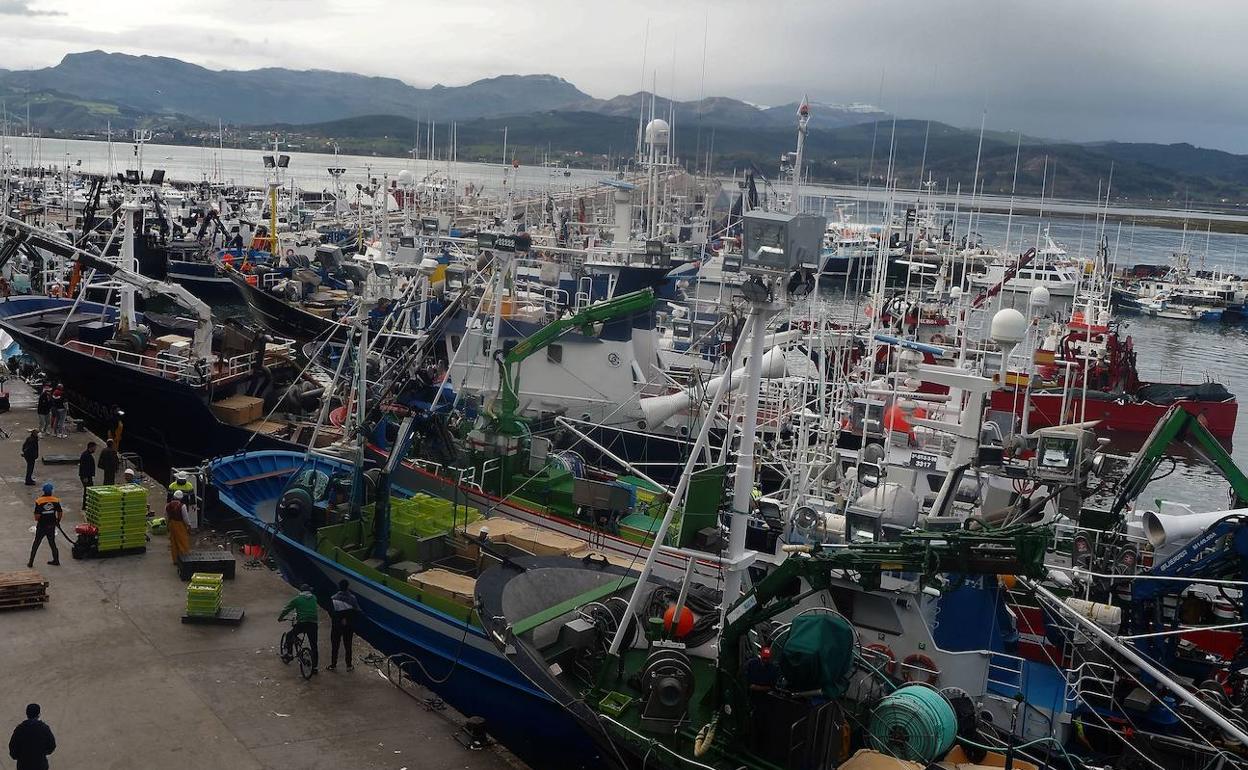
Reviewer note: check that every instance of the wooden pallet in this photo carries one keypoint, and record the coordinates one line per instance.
(24, 588)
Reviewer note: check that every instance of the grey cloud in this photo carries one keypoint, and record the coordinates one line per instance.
(22, 8)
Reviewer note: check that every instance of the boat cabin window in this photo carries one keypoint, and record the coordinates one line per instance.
(554, 354)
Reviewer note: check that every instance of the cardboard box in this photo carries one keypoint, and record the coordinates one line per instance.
(266, 427)
(458, 588)
(541, 543)
(238, 410)
(169, 340)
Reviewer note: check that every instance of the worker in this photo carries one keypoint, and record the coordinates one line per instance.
(182, 483)
(86, 470)
(762, 673)
(127, 476)
(47, 518)
(58, 412)
(179, 537)
(109, 462)
(30, 453)
(304, 607)
(343, 609)
(32, 741)
(43, 408)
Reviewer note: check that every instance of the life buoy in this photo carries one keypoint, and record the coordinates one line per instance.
(920, 668)
(937, 339)
(290, 252)
(883, 649)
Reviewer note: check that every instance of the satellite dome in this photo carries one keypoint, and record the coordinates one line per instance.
(1008, 327)
(657, 131)
(405, 178)
(1040, 296)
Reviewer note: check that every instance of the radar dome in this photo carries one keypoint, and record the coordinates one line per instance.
(1008, 327)
(405, 178)
(657, 131)
(1040, 296)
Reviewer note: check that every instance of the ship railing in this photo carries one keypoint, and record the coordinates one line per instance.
(172, 367)
(1006, 672)
(1089, 682)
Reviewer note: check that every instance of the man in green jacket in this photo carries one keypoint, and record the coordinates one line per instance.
(304, 607)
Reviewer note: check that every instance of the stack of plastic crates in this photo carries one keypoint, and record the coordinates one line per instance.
(203, 595)
(120, 515)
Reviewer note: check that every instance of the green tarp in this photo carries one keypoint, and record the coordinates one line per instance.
(818, 654)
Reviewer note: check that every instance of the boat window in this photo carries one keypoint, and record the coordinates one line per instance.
(455, 340)
(554, 354)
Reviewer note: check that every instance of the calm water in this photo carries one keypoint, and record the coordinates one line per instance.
(246, 167)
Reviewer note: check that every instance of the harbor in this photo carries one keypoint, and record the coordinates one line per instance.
(121, 677)
(353, 423)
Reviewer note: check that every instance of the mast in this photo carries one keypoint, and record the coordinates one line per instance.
(803, 118)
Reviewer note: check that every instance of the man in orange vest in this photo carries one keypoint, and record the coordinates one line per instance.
(47, 519)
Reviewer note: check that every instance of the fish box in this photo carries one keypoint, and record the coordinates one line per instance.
(447, 584)
(238, 410)
(266, 427)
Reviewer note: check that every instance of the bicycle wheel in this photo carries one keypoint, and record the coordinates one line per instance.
(281, 650)
(304, 654)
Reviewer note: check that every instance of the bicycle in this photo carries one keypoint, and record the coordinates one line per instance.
(297, 643)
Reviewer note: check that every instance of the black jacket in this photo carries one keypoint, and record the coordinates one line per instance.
(45, 404)
(30, 448)
(86, 465)
(109, 460)
(31, 744)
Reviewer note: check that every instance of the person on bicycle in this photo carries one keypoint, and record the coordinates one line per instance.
(304, 607)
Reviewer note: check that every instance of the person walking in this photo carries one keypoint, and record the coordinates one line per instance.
(109, 462)
(182, 483)
(86, 470)
(343, 609)
(179, 537)
(30, 453)
(304, 607)
(32, 741)
(47, 518)
(58, 412)
(43, 408)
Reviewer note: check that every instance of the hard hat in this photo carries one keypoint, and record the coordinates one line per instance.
(47, 488)
(129, 471)
(177, 495)
(182, 476)
(764, 654)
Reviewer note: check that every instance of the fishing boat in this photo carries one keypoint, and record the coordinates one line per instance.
(180, 398)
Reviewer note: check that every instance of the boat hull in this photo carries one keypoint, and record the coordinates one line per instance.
(1127, 416)
(283, 318)
(456, 660)
(169, 421)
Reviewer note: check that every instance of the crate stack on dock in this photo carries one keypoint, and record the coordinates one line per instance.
(120, 515)
(203, 595)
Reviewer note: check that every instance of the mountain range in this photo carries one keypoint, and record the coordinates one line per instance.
(547, 117)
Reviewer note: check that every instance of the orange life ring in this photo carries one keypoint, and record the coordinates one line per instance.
(920, 668)
(937, 339)
(290, 252)
(883, 649)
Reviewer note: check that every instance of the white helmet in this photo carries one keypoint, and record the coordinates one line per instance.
(177, 495)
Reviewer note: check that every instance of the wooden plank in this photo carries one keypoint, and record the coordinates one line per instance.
(259, 476)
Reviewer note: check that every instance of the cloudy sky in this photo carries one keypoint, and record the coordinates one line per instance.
(1143, 70)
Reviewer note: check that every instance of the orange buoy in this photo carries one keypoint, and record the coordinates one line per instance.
(683, 625)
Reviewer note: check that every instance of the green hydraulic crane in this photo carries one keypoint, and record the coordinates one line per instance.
(505, 411)
(1178, 424)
